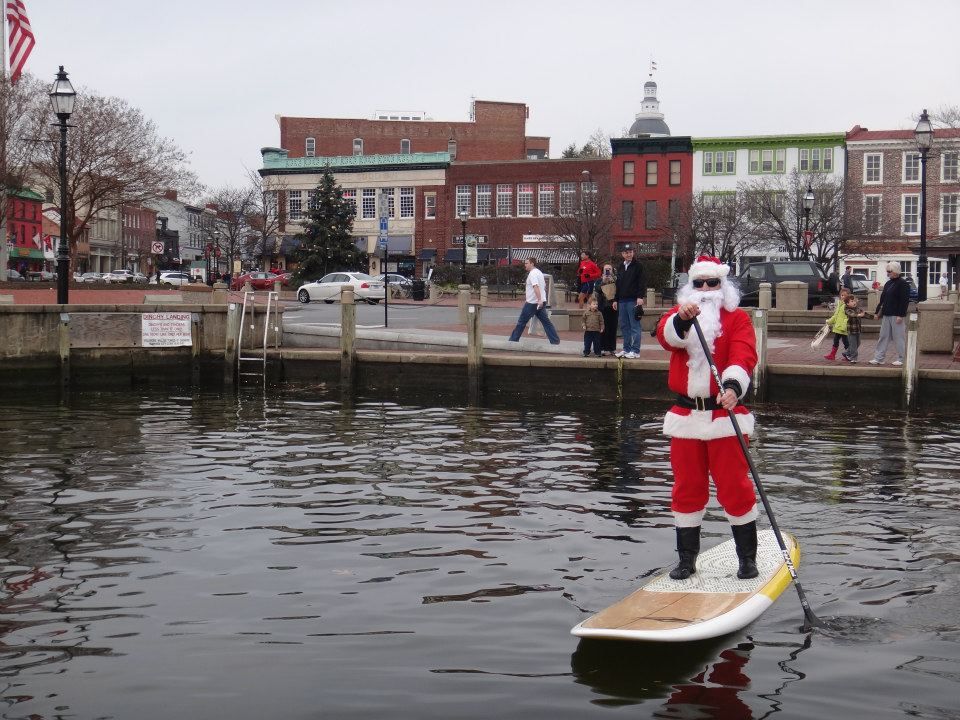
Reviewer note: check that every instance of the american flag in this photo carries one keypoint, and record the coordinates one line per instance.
(21, 37)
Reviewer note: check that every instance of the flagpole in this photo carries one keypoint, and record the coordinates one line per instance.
(4, 250)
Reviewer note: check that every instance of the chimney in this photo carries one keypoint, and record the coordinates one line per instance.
(170, 195)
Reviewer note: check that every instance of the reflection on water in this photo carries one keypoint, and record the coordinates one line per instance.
(300, 555)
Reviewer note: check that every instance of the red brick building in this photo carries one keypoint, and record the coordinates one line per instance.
(650, 178)
(514, 208)
(496, 131)
(882, 198)
(138, 231)
(24, 232)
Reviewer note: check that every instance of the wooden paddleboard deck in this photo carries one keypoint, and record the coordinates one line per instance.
(710, 603)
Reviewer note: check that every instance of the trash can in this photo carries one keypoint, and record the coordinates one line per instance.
(419, 290)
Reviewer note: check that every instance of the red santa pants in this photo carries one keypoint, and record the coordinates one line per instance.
(694, 461)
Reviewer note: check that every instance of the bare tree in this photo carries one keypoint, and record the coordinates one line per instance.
(267, 214)
(114, 157)
(946, 116)
(586, 226)
(236, 206)
(776, 208)
(716, 224)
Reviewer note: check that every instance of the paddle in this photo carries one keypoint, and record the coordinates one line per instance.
(811, 619)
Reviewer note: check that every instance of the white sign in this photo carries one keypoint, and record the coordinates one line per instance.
(471, 249)
(165, 330)
(157, 247)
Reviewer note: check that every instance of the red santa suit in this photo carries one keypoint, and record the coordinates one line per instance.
(704, 442)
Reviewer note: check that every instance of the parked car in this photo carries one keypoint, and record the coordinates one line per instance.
(395, 279)
(139, 277)
(90, 277)
(259, 280)
(285, 278)
(174, 279)
(118, 276)
(820, 289)
(328, 287)
(14, 275)
(41, 276)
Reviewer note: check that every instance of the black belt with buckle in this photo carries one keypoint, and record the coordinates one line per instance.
(698, 403)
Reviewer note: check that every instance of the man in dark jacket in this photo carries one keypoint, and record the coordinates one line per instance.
(630, 291)
(892, 309)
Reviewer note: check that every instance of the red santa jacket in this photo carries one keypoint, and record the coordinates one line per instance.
(734, 352)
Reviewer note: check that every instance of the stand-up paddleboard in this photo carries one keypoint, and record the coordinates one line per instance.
(710, 603)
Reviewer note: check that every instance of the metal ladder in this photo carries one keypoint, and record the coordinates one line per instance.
(248, 327)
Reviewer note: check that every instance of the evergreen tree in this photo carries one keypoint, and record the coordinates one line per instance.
(325, 243)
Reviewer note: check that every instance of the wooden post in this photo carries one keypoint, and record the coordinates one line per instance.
(760, 371)
(474, 354)
(910, 364)
(348, 336)
(483, 296)
(64, 346)
(196, 343)
(230, 344)
(463, 299)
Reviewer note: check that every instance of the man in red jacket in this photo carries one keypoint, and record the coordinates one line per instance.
(587, 274)
(704, 442)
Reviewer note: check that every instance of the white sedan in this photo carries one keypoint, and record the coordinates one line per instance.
(328, 287)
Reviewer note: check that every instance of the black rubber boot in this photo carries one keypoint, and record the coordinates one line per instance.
(688, 546)
(745, 537)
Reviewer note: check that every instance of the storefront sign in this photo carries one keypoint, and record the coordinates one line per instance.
(165, 330)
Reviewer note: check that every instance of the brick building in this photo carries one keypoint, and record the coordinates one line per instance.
(28, 252)
(650, 178)
(883, 200)
(139, 230)
(495, 131)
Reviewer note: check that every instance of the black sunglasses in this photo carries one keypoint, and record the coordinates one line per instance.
(712, 282)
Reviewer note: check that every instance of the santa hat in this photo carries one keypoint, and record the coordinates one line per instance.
(707, 266)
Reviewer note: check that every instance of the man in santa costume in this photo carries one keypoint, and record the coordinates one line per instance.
(704, 443)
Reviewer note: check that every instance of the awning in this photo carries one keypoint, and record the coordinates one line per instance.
(400, 244)
(32, 253)
(453, 255)
(288, 244)
(546, 255)
(427, 254)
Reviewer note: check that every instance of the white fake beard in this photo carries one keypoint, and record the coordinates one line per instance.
(710, 302)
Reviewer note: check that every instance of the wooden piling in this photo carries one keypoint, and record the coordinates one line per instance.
(911, 364)
(64, 348)
(230, 344)
(760, 371)
(474, 354)
(348, 336)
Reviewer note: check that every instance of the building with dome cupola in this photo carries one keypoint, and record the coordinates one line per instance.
(649, 121)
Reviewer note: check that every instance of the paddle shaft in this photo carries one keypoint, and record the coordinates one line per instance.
(812, 619)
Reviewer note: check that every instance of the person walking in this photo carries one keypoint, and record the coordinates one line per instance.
(605, 291)
(838, 324)
(891, 310)
(535, 304)
(944, 286)
(587, 274)
(630, 290)
(704, 442)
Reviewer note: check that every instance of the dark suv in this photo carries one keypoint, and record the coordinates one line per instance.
(820, 288)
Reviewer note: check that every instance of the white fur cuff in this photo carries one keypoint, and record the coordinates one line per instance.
(670, 333)
(694, 519)
(735, 372)
(747, 517)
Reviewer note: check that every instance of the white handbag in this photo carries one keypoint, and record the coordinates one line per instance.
(821, 334)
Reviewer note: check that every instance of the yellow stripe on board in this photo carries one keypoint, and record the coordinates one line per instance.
(782, 579)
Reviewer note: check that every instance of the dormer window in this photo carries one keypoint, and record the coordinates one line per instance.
(358, 146)
(310, 150)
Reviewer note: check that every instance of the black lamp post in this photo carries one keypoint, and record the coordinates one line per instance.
(924, 137)
(62, 98)
(808, 199)
(463, 260)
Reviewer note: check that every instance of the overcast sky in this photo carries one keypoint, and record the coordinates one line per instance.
(213, 74)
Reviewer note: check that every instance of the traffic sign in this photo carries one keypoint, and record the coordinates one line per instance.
(382, 242)
(383, 224)
(157, 247)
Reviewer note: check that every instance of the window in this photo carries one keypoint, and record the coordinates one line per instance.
(463, 199)
(504, 200)
(294, 204)
(358, 146)
(828, 159)
(568, 196)
(934, 270)
(406, 202)
(546, 200)
(871, 214)
(768, 161)
(484, 200)
(816, 159)
(269, 203)
(673, 212)
(312, 199)
(708, 163)
(651, 173)
(717, 163)
(369, 203)
(911, 214)
(404, 147)
(525, 200)
(948, 213)
(626, 215)
(731, 166)
(949, 163)
(674, 172)
(872, 168)
(311, 147)
(911, 167)
(351, 197)
(628, 173)
(430, 206)
(651, 215)
(452, 148)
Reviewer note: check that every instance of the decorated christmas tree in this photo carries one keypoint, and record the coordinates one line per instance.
(325, 243)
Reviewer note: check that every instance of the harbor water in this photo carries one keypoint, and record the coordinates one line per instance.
(293, 553)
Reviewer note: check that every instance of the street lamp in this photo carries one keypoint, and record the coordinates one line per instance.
(464, 214)
(808, 200)
(924, 137)
(62, 98)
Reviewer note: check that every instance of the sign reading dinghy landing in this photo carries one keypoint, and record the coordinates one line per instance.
(165, 330)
